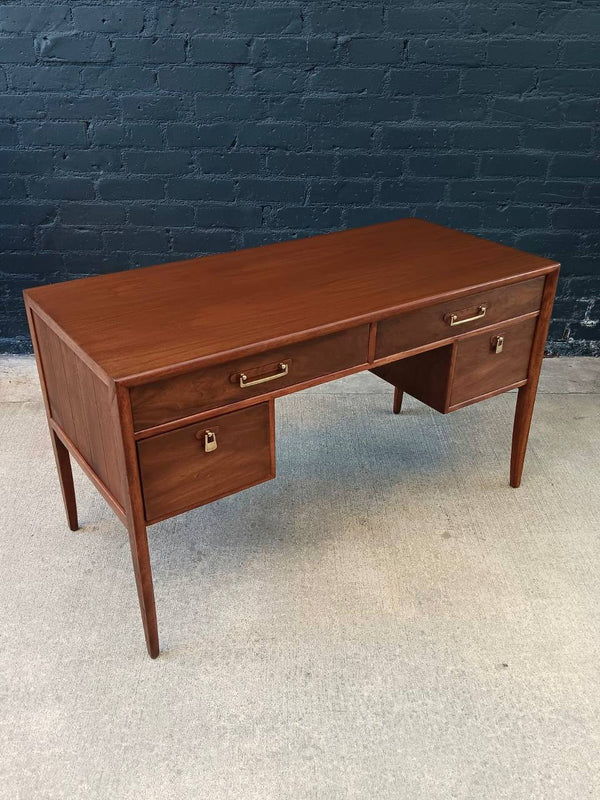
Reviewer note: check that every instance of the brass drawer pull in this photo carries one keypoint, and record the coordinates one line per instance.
(452, 319)
(245, 383)
(208, 439)
(498, 344)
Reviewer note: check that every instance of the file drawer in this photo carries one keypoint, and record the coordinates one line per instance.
(490, 361)
(197, 464)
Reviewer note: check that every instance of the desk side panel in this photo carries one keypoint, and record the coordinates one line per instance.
(83, 407)
(426, 376)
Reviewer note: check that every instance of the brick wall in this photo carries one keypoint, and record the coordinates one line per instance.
(143, 132)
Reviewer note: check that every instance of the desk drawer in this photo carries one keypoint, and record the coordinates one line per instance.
(183, 469)
(212, 387)
(480, 369)
(454, 317)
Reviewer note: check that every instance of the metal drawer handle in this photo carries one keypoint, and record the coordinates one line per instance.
(283, 370)
(498, 344)
(452, 319)
(210, 441)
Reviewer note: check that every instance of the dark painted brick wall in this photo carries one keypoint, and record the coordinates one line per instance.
(134, 133)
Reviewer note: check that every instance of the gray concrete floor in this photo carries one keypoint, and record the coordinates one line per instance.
(386, 619)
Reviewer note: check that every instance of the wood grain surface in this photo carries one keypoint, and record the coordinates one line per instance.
(161, 319)
(479, 369)
(83, 407)
(127, 360)
(217, 385)
(178, 474)
(415, 328)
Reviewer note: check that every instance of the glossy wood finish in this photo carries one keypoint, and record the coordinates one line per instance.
(83, 407)
(426, 376)
(136, 526)
(430, 324)
(454, 375)
(177, 474)
(61, 453)
(164, 347)
(478, 369)
(75, 453)
(65, 476)
(527, 393)
(86, 422)
(212, 387)
(220, 307)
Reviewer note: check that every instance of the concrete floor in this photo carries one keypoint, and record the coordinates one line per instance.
(386, 619)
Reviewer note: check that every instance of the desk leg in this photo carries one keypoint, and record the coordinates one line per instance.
(527, 393)
(140, 555)
(65, 475)
(398, 395)
(522, 425)
(61, 454)
(136, 524)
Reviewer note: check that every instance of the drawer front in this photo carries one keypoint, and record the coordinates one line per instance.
(183, 395)
(480, 369)
(183, 469)
(453, 317)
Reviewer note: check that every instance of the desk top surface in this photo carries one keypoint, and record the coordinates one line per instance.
(151, 319)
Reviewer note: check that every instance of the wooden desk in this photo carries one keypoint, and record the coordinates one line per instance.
(161, 382)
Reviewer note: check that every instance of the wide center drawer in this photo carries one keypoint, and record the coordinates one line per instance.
(454, 317)
(199, 463)
(219, 385)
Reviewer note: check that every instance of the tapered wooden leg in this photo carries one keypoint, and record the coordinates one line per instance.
(398, 395)
(527, 393)
(140, 555)
(65, 475)
(136, 524)
(522, 424)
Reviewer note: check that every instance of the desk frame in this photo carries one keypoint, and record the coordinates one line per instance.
(117, 409)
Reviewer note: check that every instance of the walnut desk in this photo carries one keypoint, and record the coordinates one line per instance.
(161, 381)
